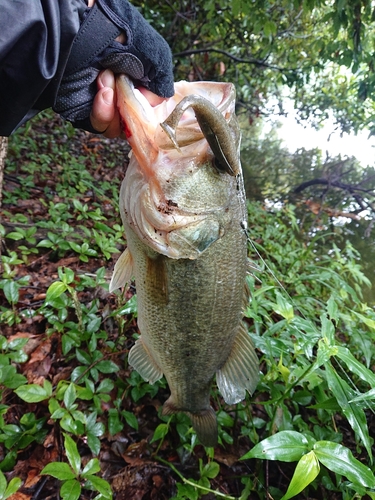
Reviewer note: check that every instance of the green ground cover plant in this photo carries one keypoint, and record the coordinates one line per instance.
(76, 421)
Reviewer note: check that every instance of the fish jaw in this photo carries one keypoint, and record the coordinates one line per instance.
(137, 120)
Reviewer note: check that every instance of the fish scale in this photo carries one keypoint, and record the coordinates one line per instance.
(183, 208)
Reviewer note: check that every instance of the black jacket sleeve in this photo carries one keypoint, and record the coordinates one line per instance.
(35, 41)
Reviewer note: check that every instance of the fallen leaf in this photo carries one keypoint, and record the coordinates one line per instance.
(19, 496)
(33, 477)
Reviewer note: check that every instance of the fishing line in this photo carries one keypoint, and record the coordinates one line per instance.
(267, 267)
(366, 404)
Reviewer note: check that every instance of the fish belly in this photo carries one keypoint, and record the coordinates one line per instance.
(189, 312)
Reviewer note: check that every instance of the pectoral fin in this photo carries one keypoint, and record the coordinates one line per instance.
(240, 372)
(142, 361)
(122, 272)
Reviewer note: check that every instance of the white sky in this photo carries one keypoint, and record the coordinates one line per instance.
(296, 136)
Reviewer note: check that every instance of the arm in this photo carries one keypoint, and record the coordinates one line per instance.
(45, 61)
(114, 35)
(36, 37)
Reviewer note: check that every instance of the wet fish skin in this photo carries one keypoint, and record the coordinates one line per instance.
(183, 221)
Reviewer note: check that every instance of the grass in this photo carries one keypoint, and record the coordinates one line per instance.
(75, 419)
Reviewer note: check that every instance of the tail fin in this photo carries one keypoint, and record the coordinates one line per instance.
(205, 425)
(204, 422)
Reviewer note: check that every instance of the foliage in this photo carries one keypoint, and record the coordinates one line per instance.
(333, 196)
(321, 51)
(64, 375)
(8, 489)
(72, 475)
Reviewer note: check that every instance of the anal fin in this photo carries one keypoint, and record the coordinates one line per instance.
(122, 272)
(142, 361)
(240, 372)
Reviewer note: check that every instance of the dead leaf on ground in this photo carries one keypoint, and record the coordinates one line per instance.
(19, 496)
(32, 479)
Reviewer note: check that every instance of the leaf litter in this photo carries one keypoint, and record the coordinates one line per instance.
(35, 181)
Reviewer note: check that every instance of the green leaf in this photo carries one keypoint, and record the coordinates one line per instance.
(100, 485)
(131, 307)
(284, 308)
(55, 290)
(340, 460)
(83, 357)
(66, 274)
(130, 418)
(355, 415)
(47, 386)
(70, 490)
(107, 367)
(93, 325)
(356, 366)
(210, 470)
(367, 396)
(93, 443)
(72, 454)
(187, 491)
(11, 291)
(160, 432)
(286, 446)
(15, 236)
(13, 486)
(328, 330)
(367, 321)
(33, 393)
(106, 385)
(59, 470)
(3, 484)
(9, 461)
(332, 309)
(306, 471)
(269, 28)
(92, 467)
(114, 423)
(70, 396)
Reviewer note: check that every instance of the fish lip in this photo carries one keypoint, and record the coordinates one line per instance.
(125, 90)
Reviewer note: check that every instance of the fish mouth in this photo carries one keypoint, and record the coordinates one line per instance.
(137, 113)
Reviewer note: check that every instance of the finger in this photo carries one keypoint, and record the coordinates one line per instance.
(152, 98)
(106, 78)
(103, 109)
(114, 128)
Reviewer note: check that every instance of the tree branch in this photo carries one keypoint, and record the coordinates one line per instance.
(256, 62)
(326, 182)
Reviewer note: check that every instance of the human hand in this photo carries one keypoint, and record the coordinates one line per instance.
(104, 116)
(86, 96)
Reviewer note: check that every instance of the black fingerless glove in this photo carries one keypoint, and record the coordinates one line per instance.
(145, 57)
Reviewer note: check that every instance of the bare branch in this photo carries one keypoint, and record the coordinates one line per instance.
(257, 62)
(327, 182)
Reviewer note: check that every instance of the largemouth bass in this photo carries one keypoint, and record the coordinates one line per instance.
(183, 207)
